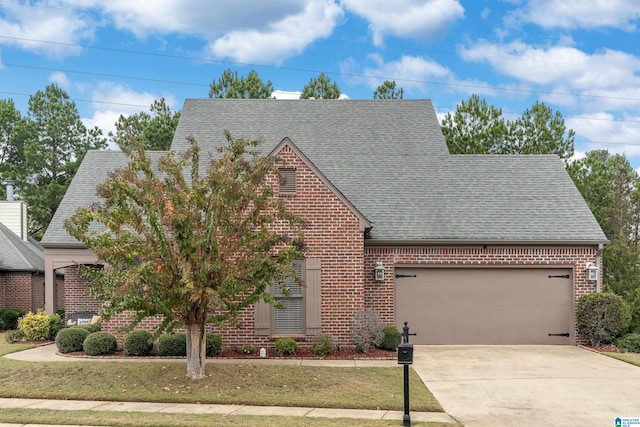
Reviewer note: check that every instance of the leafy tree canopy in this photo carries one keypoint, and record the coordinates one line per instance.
(387, 90)
(154, 130)
(190, 247)
(320, 88)
(478, 128)
(229, 85)
(46, 149)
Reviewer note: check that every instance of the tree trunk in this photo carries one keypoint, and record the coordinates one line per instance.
(196, 351)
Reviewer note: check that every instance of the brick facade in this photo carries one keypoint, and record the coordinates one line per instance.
(25, 290)
(334, 235)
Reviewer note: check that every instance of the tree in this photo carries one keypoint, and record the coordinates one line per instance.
(609, 185)
(193, 249)
(51, 145)
(541, 131)
(387, 90)
(10, 155)
(155, 130)
(477, 128)
(320, 88)
(229, 85)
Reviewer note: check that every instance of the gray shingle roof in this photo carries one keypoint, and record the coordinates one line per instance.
(19, 255)
(390, 160)
(94, 169)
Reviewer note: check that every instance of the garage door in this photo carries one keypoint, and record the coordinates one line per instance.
(485, 305)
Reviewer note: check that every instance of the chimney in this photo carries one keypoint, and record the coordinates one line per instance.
(9, 185)
(13, 213)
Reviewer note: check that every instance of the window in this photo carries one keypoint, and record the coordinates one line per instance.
(287, 183)
(290, 318)
(302, 304)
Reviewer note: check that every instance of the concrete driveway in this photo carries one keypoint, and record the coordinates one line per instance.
(529, 385)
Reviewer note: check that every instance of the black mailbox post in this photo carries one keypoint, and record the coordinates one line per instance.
(405, 357)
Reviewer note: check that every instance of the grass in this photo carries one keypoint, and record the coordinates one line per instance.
(633, 358)
(140, 419)
(226, 383)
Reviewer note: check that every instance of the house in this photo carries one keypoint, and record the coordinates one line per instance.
(468, 249)
(21, 260)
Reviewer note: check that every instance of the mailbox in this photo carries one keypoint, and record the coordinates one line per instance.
(405, 354)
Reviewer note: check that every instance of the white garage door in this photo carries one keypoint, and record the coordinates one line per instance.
(486, 305)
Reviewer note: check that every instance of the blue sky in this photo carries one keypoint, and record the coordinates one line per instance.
(582, 57)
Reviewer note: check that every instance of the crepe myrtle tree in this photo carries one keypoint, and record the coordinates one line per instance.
(189, 246)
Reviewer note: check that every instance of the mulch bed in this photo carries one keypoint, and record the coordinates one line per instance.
(611, 348)
(302, 353)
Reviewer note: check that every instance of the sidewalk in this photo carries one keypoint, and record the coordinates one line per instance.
(48, 354)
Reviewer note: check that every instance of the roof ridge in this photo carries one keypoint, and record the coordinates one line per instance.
(11, 238)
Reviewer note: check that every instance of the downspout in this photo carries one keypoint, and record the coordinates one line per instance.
(600, 266)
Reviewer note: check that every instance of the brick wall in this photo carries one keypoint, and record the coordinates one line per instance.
(379, 295)
(15, 290)
(74, 296)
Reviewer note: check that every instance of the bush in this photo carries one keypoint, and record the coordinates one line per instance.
(71, 339)
(172, 345)
(99, 343)
(392, 338)
(1, 324)
(14, 336)
(367, 330)
(602, 317)
(138, 343)
(323, 345)
(286, 347)
(629, 343)
(214, 345)
(93, 327)
(10, 317)
(248, 349)
(55, 326)
(39, 326)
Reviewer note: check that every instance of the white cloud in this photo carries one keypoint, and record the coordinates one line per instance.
(26, 25)
(606, 79)
(110, 100)
(283, 94)
(413, 73)
(417, 19)
(602, 131)
(569, 14)
(282, 38)
(60, 78)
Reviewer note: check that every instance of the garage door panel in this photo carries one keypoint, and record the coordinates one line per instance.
(485, 306)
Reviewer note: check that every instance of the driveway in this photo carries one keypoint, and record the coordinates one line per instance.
(529, 385)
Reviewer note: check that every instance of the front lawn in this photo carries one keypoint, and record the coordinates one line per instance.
(242, 383)
(633, 358)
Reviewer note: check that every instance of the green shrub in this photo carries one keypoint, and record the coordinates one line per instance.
(214, 345)
(39, 326)
(99, 343)
(13, 336)
(138, 343)
(10, 317)
(629, 343)
(323, 345)
(92, 327)
(392, 338)
(286, 347)
(55, 326)
(248, 349)
(602, 317)
(71, 339)
(172, 345)
(1, 324)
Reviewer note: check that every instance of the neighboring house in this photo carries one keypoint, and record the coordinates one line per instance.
(469, 249)
(21, 260)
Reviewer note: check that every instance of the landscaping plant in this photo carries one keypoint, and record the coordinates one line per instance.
(39, 326)
(367, 330)
(214, 345)
(172, 344)
(392, 338)
(71, 339)
(100, 343)
(138, 343)
(286, 347)
(323, 345)
(602, 317)
(629, 343)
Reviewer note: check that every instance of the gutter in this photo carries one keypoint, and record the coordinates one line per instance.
(484, 243)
